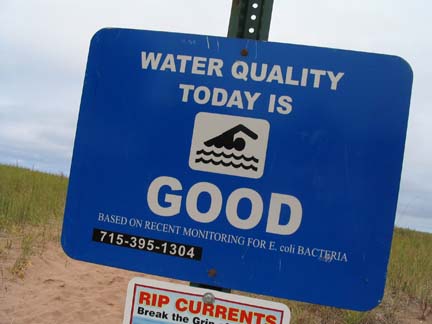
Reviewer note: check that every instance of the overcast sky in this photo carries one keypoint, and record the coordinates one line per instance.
(44, 47)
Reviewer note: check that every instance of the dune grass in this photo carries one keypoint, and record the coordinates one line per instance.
(29, 197)
(32, 204)
(31, 210)
(410, 269)
(409, 284)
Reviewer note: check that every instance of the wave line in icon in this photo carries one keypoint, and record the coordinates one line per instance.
(226, 164)
(228, 156)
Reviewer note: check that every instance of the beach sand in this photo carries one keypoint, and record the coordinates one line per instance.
(58, 289)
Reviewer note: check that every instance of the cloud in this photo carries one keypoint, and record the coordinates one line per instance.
(415, 223)
(35, 140)
(44, 47)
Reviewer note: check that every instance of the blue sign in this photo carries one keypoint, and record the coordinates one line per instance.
(256, 166)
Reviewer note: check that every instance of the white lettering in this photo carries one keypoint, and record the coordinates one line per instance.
(251, 99)
(318, 74)
(198, 65)
(240, 70)
(304, 77)
(275, 75)
(186, 88)
(202, 95)
(215, 66)
(174, 201)
(215, 202)
(276, 202)
(150, 59)
(235, 100)
(289, 74)
(168, 63)
(183, 62)
(262, 75)
(335, 79)
(256, 209)
(220, 97)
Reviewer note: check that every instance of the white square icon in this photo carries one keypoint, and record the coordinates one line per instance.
(229, 145)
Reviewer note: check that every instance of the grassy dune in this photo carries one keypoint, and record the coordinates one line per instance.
(408, 287)
(410, 270)
(29, 197)
(31, 208)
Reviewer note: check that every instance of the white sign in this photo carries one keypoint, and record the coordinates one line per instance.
(229, 145)
(156, 302)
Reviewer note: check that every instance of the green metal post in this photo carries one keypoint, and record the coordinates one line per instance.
(250, 19)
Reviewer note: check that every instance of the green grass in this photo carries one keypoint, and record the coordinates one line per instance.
(30, 198)
(409, 284)
(21, 263)
(31, 210)
(32, 204)
(410, 269)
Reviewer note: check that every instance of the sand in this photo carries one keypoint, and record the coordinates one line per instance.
(57, 289)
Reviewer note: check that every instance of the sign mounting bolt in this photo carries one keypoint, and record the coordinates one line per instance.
(212, 273)
(208, 298)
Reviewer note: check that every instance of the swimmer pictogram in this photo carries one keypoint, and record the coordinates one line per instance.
(226, 139)
(229, 145)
